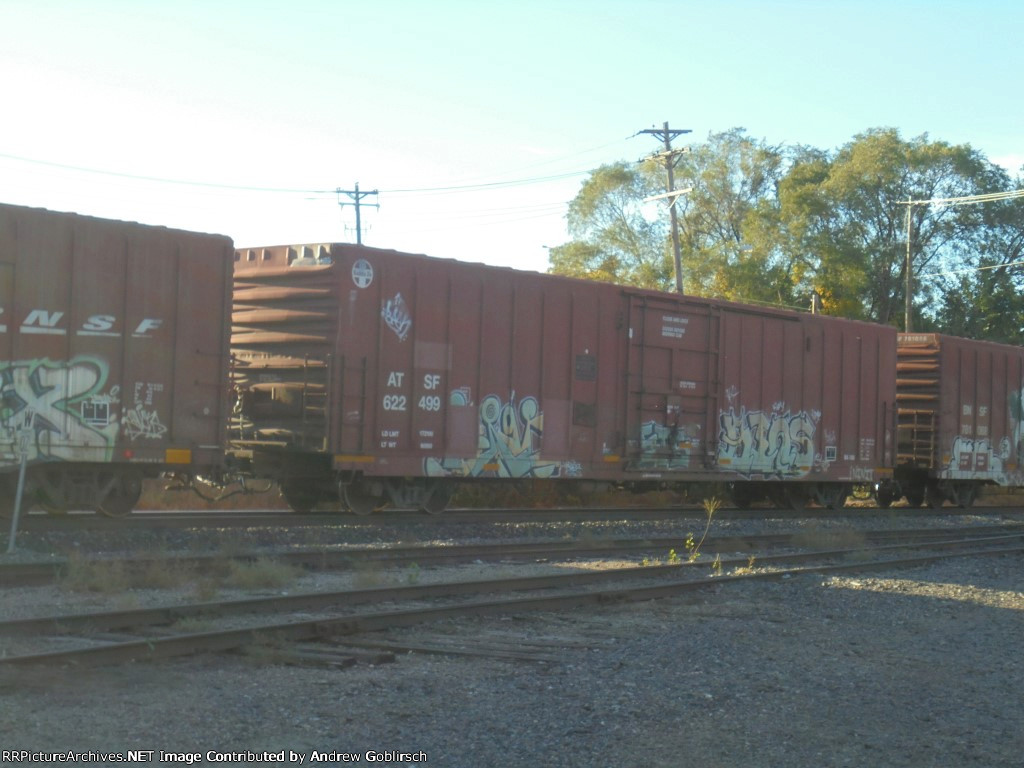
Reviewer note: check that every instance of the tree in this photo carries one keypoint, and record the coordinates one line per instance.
(724, 221)
(985, 299)
(843, 219)
(728, 220)
(616, 239)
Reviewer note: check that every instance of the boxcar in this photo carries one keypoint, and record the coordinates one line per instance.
(113, 356)
(960, 419)
(372, 376)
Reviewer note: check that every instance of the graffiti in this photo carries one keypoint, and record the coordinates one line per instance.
(396, 316)
(970, 457)
(777, 443)
(70, 412)
(664, 447)
(141, 421)
(509, 442)
(138, 422)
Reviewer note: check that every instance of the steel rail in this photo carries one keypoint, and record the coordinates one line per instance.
(163, 647)
(29, 574)
(222, 518)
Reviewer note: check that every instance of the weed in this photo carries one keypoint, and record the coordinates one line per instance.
(84, 575)
(711, 506)
(716, 566)
(673, 558)
(260, 573)
(412, 574)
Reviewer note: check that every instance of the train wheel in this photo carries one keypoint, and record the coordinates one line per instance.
(916, 497)
(300, 496)
(933, 497)
(964, 494)
(51, 492)
(831, 495)
(437, 497)
(744, 495)
(122, 496)
(360, 500)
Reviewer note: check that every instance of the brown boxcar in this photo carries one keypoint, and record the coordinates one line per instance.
(377, 376)
(114, 355)
(960, 418)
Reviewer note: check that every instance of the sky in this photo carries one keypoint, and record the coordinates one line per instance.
(475, 123)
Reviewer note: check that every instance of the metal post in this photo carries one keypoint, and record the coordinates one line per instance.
(909, 299)
(12, 539)
(26, 433)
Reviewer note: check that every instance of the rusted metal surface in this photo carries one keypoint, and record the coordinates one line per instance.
(960, 406)
(113, 345)
(396, 365)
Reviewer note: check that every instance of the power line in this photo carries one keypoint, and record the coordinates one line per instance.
(964, 200)
(971, 269)
(291, 190)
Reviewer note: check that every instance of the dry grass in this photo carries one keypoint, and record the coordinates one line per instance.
(110, 577)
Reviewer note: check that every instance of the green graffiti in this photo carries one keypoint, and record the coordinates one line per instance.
(59, 407)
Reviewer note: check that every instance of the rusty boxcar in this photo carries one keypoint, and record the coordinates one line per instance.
(961, 420)
(371, 376)
(114, 356)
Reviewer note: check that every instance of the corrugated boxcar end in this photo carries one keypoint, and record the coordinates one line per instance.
(114, 355)
(961, 420)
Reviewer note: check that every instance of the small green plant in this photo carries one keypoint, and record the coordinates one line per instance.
(711, 506)
(412, 574)
(673, 557)
(716, 566)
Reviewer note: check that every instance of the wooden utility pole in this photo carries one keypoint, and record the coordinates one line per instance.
(669, 156)
(357, 198)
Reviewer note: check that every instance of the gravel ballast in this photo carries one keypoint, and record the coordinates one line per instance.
(918, 667)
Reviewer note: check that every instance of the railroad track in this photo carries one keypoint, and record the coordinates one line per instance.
(42, 522)
(33, 574)
(97, 642)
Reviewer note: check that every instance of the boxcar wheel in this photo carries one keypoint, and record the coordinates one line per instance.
(934, 498)
(964, 495)
(122, 496)
(50, 493)
(437, 497)
(831, 495)
(300, 496)
(360, 500)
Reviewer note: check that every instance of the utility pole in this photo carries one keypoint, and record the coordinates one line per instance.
(669, 155)
(357, 198)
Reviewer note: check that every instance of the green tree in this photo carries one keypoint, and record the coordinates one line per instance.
(843, 219)
(616, 239)
(729, 220)
(985, 298)
(725, 223)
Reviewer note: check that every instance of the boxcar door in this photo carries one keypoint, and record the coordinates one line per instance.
(672, 383)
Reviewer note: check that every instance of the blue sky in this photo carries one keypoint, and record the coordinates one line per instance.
(476, 122)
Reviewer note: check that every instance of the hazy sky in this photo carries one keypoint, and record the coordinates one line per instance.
(240, 117)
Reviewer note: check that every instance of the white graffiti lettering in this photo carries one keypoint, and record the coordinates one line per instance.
(396, 316)
(778, 443)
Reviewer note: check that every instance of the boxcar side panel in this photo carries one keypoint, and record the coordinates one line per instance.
(980, 422)
(113, 340)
